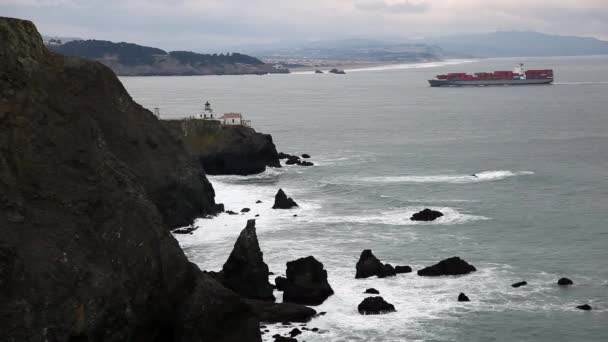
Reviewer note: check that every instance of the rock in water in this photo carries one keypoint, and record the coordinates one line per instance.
(245, 271)
(402, 269)
(281, 201)
(372, 291)
(584, 307)
(451, 266)
(295, 332)
(279, 338)
(280, 312)
(426, 215)
(375, 306)
(368, 266)
(305, 155)
(463, 298)
(519, 284)
(306, 282)
(90, 184)
(564, 282)
(245, 210)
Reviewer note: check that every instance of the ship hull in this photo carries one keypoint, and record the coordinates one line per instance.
(448, 83)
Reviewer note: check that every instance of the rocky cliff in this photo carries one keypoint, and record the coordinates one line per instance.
(226, 150)
(89, 181)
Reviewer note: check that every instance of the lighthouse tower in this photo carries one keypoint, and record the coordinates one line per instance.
(208, 112)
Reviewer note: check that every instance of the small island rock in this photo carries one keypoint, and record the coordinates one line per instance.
(463, 298)
(281, 201)
(564, 282)
(402, 269)
(306, 282)
(519, 284)
(584, 307)
(426, 215)
(375, 306)
(451, 266)
(372, 291)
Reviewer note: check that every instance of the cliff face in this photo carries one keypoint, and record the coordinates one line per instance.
(88, 181)
(226, 150)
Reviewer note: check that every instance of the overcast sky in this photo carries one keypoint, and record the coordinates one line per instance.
(214, 25)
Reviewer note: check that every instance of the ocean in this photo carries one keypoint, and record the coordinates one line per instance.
(386, 145)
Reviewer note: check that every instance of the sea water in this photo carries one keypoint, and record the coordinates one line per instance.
(521, 174)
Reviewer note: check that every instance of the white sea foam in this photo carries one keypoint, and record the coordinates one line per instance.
(484, 176)
(401, 216)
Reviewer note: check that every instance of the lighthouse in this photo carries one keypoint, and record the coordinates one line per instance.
(208, 112)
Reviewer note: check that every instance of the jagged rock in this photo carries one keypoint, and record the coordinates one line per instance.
(245, 210)
(258, 202)
(519, 284)
(279, 282)
(426, 215)
(280, 312)
(402, 269)
(184, 230)
(584, 307)
(91, 258)
(372, 291)
(305, 155)
(282, 155)
(451, 266)
(245, 271)
(564, 282)
(368, 266)
(281, 201)
(306, 282)
(387, 271)
(375, 306)
(463, 298)
(306, 163)
(295, 332)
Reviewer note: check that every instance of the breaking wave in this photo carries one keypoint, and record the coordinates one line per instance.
(484, 176)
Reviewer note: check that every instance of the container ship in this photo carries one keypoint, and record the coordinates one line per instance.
(519, 76)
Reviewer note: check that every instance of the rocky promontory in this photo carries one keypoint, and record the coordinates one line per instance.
(225, 150)
(89, 184)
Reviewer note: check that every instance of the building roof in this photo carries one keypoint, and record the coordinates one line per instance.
(232, 115)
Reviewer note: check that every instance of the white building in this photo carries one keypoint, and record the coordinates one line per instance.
(208, 113)
(232, 119)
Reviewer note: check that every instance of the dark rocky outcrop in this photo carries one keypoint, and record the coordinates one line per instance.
(305, 155)
(295, 332)
(319, 71)
(281, 201)
(337, 71)
(245, 210)
(245, 271)
(292, 160)
(279, 338)
(279, 282)
(463, 298)
(368, 266)
(230, 212)
(184, 230)
(426, 215)
(372, 291)
(564, 282)
(89, 185)
(306, 282)
(225, 150)
(280, 312)
(306, 163)
(375, 306)
(584, 307)
(451, 266)
(402, 269)
(519, 284)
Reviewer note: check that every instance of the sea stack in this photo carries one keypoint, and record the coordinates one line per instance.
(281, 201)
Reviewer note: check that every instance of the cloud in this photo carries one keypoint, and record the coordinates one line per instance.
(392, 7)
(217, 25)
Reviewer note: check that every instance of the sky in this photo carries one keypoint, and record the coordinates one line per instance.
(225, 25)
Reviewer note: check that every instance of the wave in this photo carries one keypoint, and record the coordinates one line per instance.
(484, 176)
(401, 217)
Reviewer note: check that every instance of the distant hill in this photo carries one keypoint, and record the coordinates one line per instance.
(129, 59)
(353, 51)
(519, 43)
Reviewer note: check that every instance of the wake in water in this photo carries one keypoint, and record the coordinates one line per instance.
(484, 176)
(397, 66)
